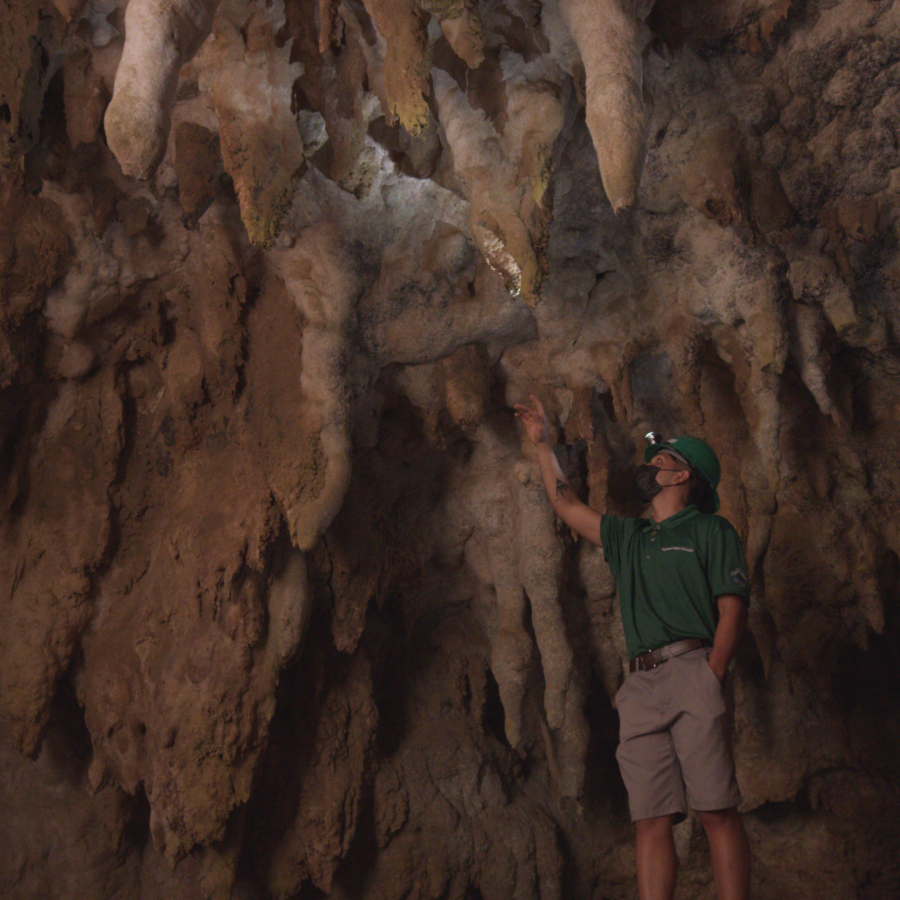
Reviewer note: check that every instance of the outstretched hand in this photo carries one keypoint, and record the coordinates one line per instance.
(533, 419)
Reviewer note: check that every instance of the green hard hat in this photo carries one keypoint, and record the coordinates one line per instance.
(698, 455)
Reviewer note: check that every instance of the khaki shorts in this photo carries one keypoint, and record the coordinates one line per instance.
(675, 739)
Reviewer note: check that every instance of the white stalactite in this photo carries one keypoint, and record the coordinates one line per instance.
(609, 36)
(160, 37)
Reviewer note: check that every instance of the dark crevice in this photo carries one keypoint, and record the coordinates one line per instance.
(493, 717)
(67, 741)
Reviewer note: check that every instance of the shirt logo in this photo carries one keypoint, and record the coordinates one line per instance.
(685, 549)
(739, 576)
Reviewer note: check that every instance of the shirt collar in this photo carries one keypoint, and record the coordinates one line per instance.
(681, 516)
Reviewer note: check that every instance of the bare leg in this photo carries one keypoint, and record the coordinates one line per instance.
(656, 860)
(730, 852)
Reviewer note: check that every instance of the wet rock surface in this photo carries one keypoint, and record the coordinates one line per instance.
(284, 611)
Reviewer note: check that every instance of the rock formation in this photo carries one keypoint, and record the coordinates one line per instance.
(161, 36)
(284, 611)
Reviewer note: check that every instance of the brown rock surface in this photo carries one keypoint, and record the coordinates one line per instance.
(283, 610)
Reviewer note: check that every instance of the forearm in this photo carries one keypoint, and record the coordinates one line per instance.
(577, 515)
(732, 621)
(557, 486)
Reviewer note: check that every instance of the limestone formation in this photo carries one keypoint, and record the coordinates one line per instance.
(610, 39)
(283, 609)
(160, 37)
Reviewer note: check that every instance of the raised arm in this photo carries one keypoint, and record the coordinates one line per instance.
(577, 515)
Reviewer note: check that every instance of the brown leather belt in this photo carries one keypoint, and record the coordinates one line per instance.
(657, 657)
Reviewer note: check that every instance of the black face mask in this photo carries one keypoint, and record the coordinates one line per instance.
(645, 483)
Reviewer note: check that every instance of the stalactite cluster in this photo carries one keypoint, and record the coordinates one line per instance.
(284, 610)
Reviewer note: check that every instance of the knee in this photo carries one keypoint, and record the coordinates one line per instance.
(650, 829)
(718, 819)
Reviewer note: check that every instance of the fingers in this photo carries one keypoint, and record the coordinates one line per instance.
(527, 414)
(537, 405)
(533, 420)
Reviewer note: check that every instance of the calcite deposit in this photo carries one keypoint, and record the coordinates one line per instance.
(284, 611)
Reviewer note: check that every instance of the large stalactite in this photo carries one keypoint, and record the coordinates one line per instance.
(283, 609)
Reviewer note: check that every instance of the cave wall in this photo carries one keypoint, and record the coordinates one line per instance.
(284, 610)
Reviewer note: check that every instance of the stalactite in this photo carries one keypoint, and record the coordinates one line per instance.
(160, 37)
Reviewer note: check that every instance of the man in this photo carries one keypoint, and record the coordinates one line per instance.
(683, 590)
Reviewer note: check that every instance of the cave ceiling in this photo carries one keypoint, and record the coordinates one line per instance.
(284, 610)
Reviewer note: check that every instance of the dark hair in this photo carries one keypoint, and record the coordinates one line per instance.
(699, 492)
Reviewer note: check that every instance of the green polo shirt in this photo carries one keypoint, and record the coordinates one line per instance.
(668, 575)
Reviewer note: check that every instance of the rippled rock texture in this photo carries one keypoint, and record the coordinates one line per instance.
(284, 611)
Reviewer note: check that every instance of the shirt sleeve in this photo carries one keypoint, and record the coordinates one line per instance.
(616, 535)
(611, 538)
(727, 567)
